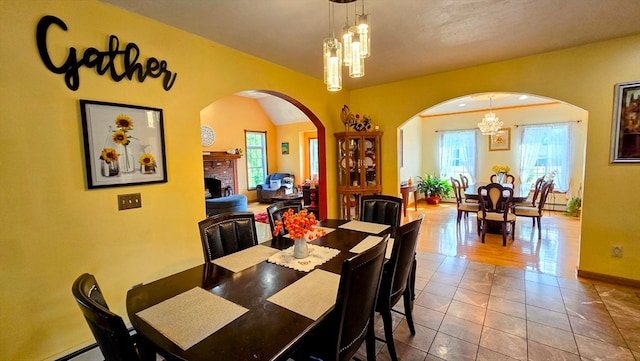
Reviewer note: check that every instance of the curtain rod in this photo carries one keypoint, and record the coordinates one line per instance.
(454, 130)
(568, 121)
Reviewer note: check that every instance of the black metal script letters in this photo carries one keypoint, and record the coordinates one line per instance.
(102, 61)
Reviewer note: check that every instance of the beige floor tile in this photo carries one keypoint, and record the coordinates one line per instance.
(478, 275)
(471, 297)
(440, 289)
(598, 350)
(507, 307)
(585, 295)
(594, 311)
(467, 311)
(619, 293)
(460, 328)
(506, 323)
(510, 282)
(421, 340)
(484, 354)
(510, 272)
(541, 278)
(404, 353)
(543, 290)
(453, 349)
(553, 304)
(626, 322)
(632, 338)
(511, 294)
(540, 352)
(600, 331)
(551, 336)
(446, 278)
(475, 285)
(434, 302)
(504, 343)
(549, 318)
(427, 317)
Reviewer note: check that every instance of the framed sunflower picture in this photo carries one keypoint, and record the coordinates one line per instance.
(123, 144)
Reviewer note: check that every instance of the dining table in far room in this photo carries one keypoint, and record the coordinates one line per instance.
(253, 299)
(520, 193)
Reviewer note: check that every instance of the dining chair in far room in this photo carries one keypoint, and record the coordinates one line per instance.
(382, 209)
(537, 187)
(227, 233)
(509, 178)
(351, 321)
(463, 206)
(393, 286)
(495, 207)
(108, 328)
(535, 212)
(464, 180)
(275, 211)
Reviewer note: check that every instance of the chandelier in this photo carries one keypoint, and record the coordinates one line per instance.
(490, 124)
(350, 52)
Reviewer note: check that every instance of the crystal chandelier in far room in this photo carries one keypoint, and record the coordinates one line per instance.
(490, 124)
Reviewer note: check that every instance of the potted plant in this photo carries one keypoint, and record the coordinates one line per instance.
(573, 207)
(433, 188)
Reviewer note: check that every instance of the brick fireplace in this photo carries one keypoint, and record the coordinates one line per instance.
(223, 167)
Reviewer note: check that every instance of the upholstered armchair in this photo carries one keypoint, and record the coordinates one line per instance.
(276, 184)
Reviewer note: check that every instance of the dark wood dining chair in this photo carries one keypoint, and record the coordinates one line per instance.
(275, 211)
(508, 178)
(537, 187)
(382, 209)
(394, 284)
(351, 321)
(227, 233)
(495, 207)
(462, 205)
(108, 328)
(535, 212)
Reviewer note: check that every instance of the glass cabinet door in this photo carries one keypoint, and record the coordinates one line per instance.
(370, 163)
(349, 172)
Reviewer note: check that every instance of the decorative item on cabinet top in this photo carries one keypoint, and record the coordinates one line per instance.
(355, 121)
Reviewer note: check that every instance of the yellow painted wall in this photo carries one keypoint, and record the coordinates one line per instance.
(292, 134)
(583, 76)
(53, 227)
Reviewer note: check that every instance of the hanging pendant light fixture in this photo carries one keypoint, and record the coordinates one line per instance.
(365, 35)
(332, 58)
(354, 48)
(490, 124)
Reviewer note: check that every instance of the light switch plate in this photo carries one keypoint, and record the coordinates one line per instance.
(129, 201)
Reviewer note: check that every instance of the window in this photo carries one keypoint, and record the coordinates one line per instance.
(256, 144)
(545, 151)
(313, 158)
(458, 153)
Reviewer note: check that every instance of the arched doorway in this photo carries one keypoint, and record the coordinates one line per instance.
(235, 116)
(420, 138)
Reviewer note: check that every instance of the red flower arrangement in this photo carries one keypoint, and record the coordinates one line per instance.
(299, 224)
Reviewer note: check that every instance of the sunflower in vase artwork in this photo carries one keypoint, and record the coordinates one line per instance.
(109, 165)
(147, 164)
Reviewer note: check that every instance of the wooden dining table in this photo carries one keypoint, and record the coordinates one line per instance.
(266, 331)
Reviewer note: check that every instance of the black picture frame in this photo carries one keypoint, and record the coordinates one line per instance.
(123, 144)
(625, 132)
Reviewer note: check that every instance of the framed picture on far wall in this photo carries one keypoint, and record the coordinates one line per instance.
(285, 148)
(123, 144)
(501, 140)
(625, 133)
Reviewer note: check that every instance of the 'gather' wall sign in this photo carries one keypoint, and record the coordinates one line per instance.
(102, 61)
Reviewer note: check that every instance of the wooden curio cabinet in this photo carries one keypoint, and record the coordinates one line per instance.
(358, 169)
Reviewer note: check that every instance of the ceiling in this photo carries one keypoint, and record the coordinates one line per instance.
(409, 38)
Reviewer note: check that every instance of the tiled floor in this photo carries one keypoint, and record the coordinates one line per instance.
(467, 310)
(487, 302)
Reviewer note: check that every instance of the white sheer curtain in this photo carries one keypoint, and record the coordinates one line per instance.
(546, 150)
(457, 153)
